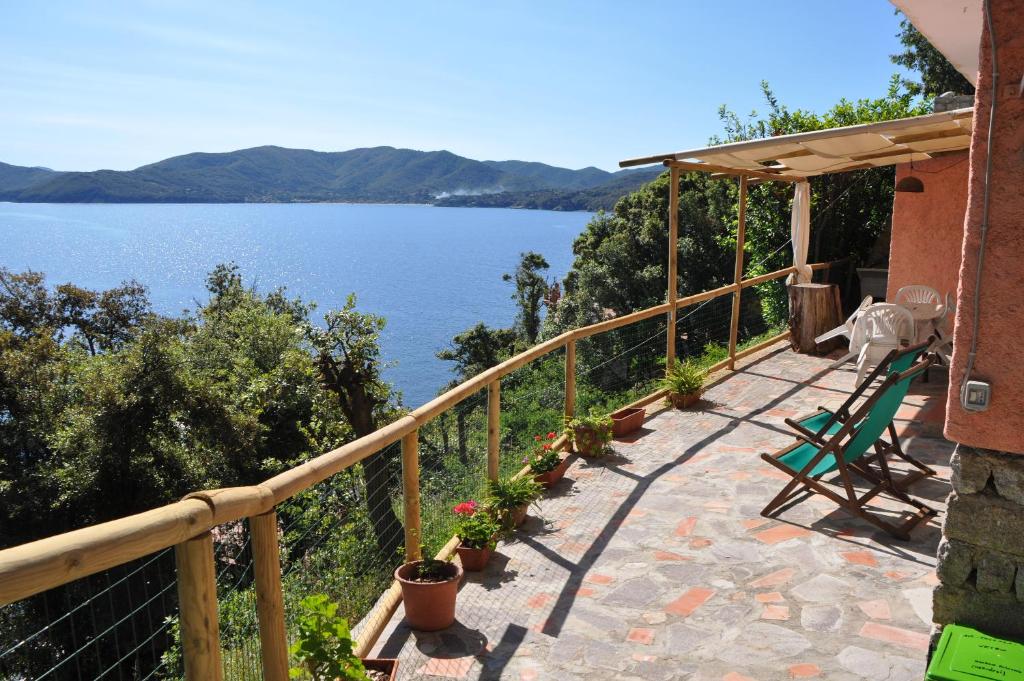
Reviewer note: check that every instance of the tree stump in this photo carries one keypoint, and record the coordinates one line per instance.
(813, 310)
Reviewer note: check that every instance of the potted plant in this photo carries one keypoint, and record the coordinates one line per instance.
(589, 433)
(325, 650)
(545, 463)
(477, 531)
(511, 497)
(684, 382)
(626, 420)
(429, 589)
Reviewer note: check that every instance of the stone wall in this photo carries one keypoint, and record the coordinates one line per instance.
(981, 557)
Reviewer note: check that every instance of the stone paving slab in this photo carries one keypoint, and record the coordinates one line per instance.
(654, 563)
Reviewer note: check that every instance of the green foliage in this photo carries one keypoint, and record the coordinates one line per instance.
(433, 570)
(509, 493)
(475, 526)
(938, 76)
(544, 457)
(530, 289)
(684, 378)
(590, 432)
(324, 645)
(478, 349)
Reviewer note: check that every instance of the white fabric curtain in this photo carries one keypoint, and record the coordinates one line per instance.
(800, 233)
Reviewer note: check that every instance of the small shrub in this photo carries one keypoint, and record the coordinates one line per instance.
(324, 646)
(507, 494)
(684, 378)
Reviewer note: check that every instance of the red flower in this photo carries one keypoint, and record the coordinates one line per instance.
(465, 508)
(551, 435)
(547, 447)
(538, 438)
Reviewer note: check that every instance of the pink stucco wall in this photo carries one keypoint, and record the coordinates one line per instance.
(928, 228)
(1000, 352)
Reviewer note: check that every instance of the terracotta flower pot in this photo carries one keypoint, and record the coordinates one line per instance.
(514, 518)
(384, 665)
(429, 606)
(681, 401)
(551, 478)
(473, 560)
(587, 442)
(625, 421)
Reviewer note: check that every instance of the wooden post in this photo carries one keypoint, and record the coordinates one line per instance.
(411, 494)
(673, 256)
(570, 379)
(197, 604)
(741, 235)
(493, 428)
(266, 558)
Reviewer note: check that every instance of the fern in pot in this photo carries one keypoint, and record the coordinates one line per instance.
(511, 497)
(684, 383)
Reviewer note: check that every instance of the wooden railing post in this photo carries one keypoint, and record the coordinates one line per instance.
(266, 556)
(493, 428)
(570, 379)
(197, 603)
(673, 266)
(411, 494)
(741, 234)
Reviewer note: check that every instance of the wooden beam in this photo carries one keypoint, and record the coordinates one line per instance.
(494, 428)
(197, 607)
(570, 379)
(411, 494)
(741, 235)
(713, 168)
(673, 264)
(266, 558)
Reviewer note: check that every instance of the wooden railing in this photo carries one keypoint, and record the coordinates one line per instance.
(48, 563)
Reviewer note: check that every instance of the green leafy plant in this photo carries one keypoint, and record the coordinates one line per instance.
(475, 527)
(544, 457)
(324, 646)
(684, 378)
(507, 494)
(590, 432)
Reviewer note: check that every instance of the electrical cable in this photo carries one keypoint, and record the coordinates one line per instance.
(983, 236)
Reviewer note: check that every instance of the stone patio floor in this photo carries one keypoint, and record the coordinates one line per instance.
(654, 563)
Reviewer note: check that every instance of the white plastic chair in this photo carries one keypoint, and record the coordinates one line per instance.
(846, 329)
(943, 343)
(918, 293)
(879, 329)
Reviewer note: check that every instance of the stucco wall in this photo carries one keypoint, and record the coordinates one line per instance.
(1000, 353)
(928, 228)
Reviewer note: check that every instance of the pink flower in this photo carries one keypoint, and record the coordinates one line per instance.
(538, 438)
(465, 508)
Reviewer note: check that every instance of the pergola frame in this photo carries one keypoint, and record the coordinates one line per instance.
(676, 169)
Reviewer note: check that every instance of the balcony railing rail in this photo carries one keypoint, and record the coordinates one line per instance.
(186, 525)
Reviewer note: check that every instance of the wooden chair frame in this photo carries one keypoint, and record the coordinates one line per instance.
(836, 445)
(842, 414)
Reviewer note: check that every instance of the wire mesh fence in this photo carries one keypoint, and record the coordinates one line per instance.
(619, 366)
(343, 538)
(117, 624)
(532, 403)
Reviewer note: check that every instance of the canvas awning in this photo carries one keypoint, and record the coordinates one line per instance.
(834, 150)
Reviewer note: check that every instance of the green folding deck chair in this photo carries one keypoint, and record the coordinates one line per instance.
(825, 422)
(854, 449)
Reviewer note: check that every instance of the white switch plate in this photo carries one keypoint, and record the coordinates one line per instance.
(976, 395)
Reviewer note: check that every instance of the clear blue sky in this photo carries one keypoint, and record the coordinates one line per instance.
(117, 85)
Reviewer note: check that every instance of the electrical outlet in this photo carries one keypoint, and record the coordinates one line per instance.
(976, 396)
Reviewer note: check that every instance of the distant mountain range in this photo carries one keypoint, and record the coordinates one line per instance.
(375, 175)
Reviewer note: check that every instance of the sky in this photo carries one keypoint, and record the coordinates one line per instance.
(116, 85)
